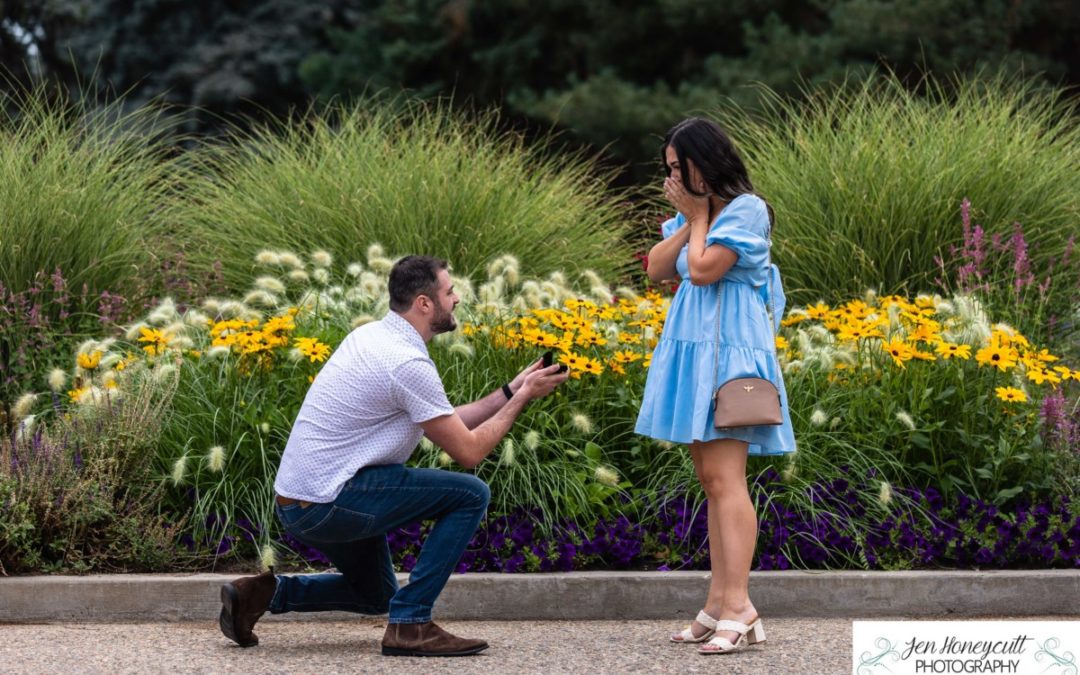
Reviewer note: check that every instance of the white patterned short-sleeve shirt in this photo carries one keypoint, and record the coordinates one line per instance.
(363, 409)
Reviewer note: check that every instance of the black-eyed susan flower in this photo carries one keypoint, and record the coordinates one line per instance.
(313, 349)
(898, 351)
(1040, 376)
(156, 341)
(88, 361)
(996, 355)
(948, 350)
(1011, 394)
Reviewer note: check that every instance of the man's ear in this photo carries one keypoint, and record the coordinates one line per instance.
(421, 302)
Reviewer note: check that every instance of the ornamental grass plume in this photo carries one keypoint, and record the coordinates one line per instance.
(818, 418)
(463, 349)
(261, 298)
(23, 406)
(905, 419)
(299, 276)
(381, 265)
(581, 422)
(290, 259)
(215, 459)
(179, 470)
(267, 557)
(790, 468)
(885, 493)
(507, 453)
(321, 258)
(606, 475)
(267, 257)
(532, 440)
(57, 380)
(320, 276)
(270, 284)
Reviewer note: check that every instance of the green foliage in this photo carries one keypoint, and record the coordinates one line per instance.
(867, 180)
(616, 75)
(80, 190)
(79, 495)
(423, 180)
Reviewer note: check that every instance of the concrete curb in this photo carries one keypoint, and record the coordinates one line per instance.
(580, 595)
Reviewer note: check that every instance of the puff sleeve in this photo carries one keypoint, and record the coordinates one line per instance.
(672, 224)
(742, 227)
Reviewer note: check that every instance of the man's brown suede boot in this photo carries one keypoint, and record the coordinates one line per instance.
(426, 639)
(243, 601)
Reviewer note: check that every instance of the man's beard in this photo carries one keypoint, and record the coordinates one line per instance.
(443, 322)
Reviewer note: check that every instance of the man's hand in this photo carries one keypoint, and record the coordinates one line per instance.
(539, 382)
(519, 379)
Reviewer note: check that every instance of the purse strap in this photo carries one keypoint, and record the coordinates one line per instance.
(769, 320)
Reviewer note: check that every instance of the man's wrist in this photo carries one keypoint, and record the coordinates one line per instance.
(507, 391)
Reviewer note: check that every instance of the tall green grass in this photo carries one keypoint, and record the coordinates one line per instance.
(418, 178)
(867, 179)
(81, 189)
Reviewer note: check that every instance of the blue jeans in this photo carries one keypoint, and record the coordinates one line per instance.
(351, 532)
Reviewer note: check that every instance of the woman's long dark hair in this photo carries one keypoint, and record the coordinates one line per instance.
(705, 144)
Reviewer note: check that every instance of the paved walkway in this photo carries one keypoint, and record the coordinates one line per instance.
(804, 646)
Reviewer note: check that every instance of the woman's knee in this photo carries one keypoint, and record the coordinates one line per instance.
(718, 485)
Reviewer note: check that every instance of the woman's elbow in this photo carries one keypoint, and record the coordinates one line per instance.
(702, 278)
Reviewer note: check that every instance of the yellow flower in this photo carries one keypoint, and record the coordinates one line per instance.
(313, 349)
(625, 357)
(76, 394)
(995, 355)
(856, 309)
(1011, 394)
(924, 332)
(795, 316)
(922, 356)
(279, 324)
(857, 330)
(88, 361)
(1038, 376)
(630, 338)
(1045, 356)
(593, 367)
(1065, 374)
(947, 350)
(899, 352)
(157, 342)
(781, 342)
(818, 311)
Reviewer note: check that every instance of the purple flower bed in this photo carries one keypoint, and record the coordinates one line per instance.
(842, 529)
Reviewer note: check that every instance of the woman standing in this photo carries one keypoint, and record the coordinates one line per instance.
(717, 328)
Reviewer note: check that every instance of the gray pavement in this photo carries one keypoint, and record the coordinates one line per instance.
(804, 646)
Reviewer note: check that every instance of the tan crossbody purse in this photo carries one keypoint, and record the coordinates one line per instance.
(745, 401)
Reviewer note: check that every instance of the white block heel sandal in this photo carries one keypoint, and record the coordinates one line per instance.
(748, 635)
(687, 634)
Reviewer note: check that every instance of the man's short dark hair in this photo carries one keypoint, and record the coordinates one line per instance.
(411, 276)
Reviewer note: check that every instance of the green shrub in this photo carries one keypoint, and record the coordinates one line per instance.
(425, 180)
(79, 493)
(81, 188)
(867, 180)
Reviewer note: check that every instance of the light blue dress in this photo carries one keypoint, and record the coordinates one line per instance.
(677, 404)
